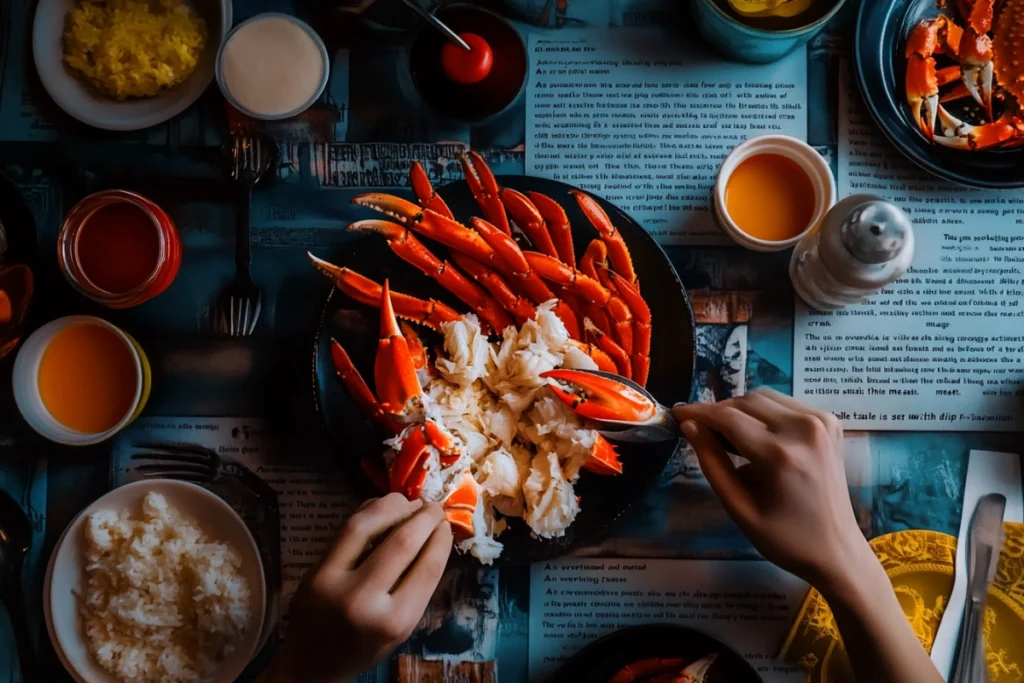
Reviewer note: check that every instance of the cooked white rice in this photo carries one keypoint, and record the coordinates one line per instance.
(161, 601)
(524, 447)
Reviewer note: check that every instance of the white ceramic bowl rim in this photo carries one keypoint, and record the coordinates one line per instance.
(26, 383)
(809, 160)
(324, 78)
(66, 639)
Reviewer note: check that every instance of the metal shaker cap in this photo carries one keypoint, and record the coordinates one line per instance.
(876, 231)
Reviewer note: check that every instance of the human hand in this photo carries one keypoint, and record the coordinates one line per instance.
(792, 499)
(368, 593)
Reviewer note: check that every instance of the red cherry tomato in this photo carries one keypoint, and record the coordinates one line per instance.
(467, 66)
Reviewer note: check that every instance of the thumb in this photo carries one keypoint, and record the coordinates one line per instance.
(721, 474)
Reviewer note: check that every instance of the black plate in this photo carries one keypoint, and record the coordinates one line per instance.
(603, 658)
(882, 30)
(672, 362)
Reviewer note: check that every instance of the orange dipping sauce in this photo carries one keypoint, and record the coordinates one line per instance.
(88, 378)
(119, 247)
(770, 197)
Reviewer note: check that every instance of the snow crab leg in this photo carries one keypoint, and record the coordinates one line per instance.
(425, 193)
(609, 346)
(618, 253)
(618, 319)
(566, 276)
(557, 224)
(428, 223)
(512, 262)
(1008, 130)
(665, 670)
(528, 217)
(408, 248)
(485, 189)
(429, 312)
(641, 355)
(518, 306)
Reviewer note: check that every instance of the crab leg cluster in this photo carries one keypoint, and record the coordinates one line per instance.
(598, 300)
(984, 63)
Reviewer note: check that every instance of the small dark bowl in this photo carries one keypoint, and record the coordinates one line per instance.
(477, 102)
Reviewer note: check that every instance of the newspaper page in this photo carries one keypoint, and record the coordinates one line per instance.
(942, 348)
(748, 604)
(645, 121)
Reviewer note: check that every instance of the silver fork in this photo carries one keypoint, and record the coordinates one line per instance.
(246, 159)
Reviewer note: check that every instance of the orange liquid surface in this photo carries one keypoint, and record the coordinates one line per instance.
(118, 248)
(770, 197)
(87, 378)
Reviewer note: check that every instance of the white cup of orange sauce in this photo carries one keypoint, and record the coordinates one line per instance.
(771, 191)
(80, 380)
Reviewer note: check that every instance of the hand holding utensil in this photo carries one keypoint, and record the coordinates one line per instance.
(246, 159)
(985, 542)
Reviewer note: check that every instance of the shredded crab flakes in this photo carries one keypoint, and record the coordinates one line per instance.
(523, 446)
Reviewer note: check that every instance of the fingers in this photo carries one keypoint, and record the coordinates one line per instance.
(750, 436)
(720, 473)
(367, 524)
(831, 422)
(390, 560)
(770, 412)
(413, 593)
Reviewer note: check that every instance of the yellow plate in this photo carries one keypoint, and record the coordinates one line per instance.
(147, 378)
(770, 8)
(920, 566)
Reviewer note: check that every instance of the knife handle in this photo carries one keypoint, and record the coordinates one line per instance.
(970, 656)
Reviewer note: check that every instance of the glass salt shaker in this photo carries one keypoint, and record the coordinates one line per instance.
(863, 244)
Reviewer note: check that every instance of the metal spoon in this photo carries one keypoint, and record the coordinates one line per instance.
(15, 538)
(662, 426)
(438, 24)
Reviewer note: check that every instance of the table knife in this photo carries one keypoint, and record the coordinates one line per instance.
(985, 542)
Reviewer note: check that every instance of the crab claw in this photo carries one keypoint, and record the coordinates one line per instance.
(410, 468)
(428, 223)
(394, 370)
(604, 459)
(977, 67)
(923, 93)
(600, 398)
(485, 189)
(425, 192)
(698, 671)
(460, 506)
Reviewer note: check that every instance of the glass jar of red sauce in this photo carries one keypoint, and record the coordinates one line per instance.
(119, 248)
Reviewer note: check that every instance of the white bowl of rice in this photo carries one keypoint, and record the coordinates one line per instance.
(158, 580)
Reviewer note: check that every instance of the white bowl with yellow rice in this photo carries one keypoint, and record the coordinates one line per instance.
(127, 64)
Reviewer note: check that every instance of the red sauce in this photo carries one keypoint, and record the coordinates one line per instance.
(467, 66)
(119, 247)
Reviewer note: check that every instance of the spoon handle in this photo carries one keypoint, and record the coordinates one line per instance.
(11, 595)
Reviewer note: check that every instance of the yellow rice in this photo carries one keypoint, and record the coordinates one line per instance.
(133, 48)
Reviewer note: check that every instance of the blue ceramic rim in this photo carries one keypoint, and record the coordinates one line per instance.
(786, 33)
(219, 71)
(899, 142)
(526, 72)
